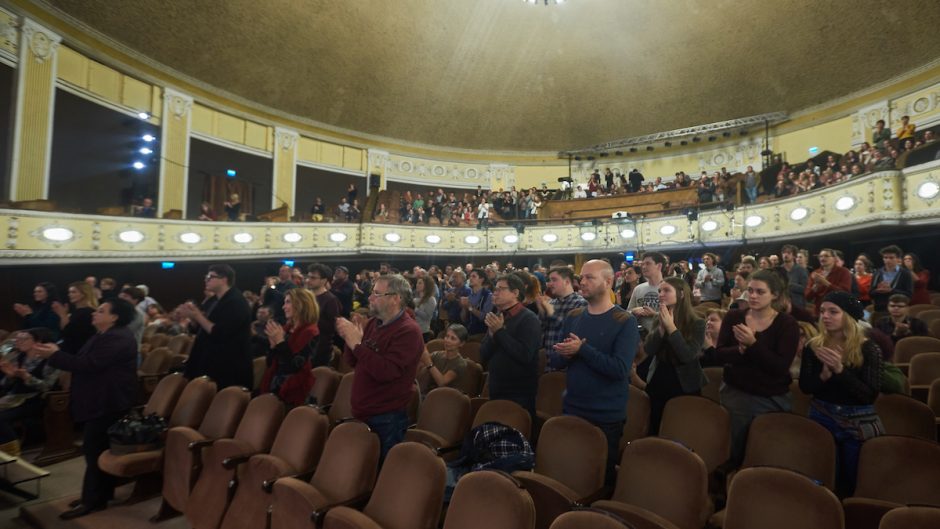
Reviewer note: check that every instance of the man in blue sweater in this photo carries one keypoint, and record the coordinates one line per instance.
(601, 341)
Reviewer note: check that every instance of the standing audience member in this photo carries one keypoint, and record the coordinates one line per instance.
(318, 277)
(921, 275)
(710, 279)
(756, 345)
(444, 368)
(553, 310)
(135, 296)
(104, 388)
(39, 313)
(480, 302)
(25, 377)
(220, 350)
(863, 275)
(76, 325)
(630, 279)
(644, 302)
(841, 368)
(425, 305)
(342, 288)
(385, 354)
(233, 207)
(292, 347)
(675, 344)
(829, 277)
(600, 343)
(510, 348)
(898, 324)
(893, 278)
(450, 301)
(797, 277)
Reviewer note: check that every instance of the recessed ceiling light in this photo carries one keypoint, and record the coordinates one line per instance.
(130, 236)
(928, 190)
(190, 237)
(143, 115)
(627, 233)
(243, 238)
(709, 225)
(588, 236)
(799, 213)
(392, 237)
(338, 236)
(512, 238)
(667, 230)
(58, 234)
(433, 239)
(845, 203)
(292, 237)
(472, 239)
(753, 221)
(149, 138)
(549, 237)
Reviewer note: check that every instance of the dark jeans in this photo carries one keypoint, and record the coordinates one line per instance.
(613, 431)
(848, 438)
(390, 427)
(97, 486)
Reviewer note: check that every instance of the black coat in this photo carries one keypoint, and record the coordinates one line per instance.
(104, 374)
(223, 355)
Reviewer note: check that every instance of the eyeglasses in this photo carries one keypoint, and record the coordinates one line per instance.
(500, 289)
(212, 276)
(375, 294)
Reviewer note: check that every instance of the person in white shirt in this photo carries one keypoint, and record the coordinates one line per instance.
(710, 279)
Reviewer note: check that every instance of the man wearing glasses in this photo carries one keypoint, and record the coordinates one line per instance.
(385, 351)
(318, 277)
(220, 350)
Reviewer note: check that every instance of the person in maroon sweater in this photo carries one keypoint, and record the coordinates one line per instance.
(318, 276)
(756, 345)
(829, 277)
(385, 352)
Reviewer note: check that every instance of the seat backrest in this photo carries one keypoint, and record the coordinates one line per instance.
(490, 499)
(638, 416)
(925, 368)
(156, 362)
(909, 346)
(505, 412)
(342, 401)
(573, 452)
(446, 412)
(301, 438)
(774, 498)
(898, 469)
(225, 412)
(349, 463)
(325, 382)
(911, 518)
(192, 405)
(435, 345)
(934, 328)
(928, 316)
(548, 399)
(164, 397)
(714, 375)
(409, 493)
(665, 478)
(471, 351)
(260, 422)
(179, 344)
(470, 381)
(159, 340)
(258, 367)
(915, 310)
(903, 415)
(800, 401)
(786, 440)
(701, 424)
(589, 519)
(933, 397)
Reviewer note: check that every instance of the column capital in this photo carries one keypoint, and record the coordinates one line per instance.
(178, 104)
(286, 139)
(41, 42)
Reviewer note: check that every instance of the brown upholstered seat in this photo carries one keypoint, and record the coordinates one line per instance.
(714, 375)
(258, 366)
(548, 399)
(444, 420)
(409, 493)
(893, 471)
(325, 383)
(774, 498)
(435, 345)
(903, 415)
(504, 412)
(800, 401)
(570, 461)
(296, 450)
(189, 409)
(920, 517)
(183, 449)
(490, 499)
(471, 381)
(925, 368)
(346, 471)
(701, 424)
(341, 407)
(590, 519)
(638, 416)
(255, 434)
(914, 310)
(934, 328)
(156, 362)
(180, 344)
(471, 351)
(660, 482)
(158, 340)
(910, 346)
(929, 316)
(933, 402)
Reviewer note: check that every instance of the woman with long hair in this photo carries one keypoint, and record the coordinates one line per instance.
(842, 370)
(425, 304)
(445, 367)
(862, 272)
(533, 289)
(756, 345)
(39, 313)
(674, 342)
(921, 279)
(630, 279)
(76, 326)
(292, 347)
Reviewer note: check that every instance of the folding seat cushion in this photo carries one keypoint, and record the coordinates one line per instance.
(921, 517)
(444, 420)
(490, 499)
(590, 519)
(701, 424)
(774, 498)
(903, 415)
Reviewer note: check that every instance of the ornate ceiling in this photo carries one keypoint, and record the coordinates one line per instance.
(504, 75)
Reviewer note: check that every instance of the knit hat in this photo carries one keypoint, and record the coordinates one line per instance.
(848, 303)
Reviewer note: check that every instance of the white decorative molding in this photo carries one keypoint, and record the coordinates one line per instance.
(286, 139)
(41, 41)
(177, 103)
(864, 121)
(9, 38)
(502, 176)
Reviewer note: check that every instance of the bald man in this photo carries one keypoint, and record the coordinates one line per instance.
(598, 350)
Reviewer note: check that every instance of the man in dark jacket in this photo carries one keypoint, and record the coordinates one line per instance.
(220, 350)
(891, 279)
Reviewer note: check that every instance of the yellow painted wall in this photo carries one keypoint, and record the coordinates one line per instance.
(325, 153)
(233, 129)
(107, 83)
(532, 176)
(833, 135)
(8, 41)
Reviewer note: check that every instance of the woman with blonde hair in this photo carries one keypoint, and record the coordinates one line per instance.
(674, 342)
(76, 325)
(292, 347)
(842, 369)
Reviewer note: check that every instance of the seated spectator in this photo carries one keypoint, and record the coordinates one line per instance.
(906, 130)
(342, 210)
(206, 212)
(354, 211)
(712, 325)
(25, 377)
(318, 210)
(897, 324)
(444, 368)
(145, 209)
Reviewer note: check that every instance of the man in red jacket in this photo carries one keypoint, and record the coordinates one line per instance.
(385, 353)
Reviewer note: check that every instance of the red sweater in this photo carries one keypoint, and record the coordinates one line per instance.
(386, 363)
(840, 279)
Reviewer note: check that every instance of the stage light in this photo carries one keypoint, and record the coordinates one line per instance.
(392, 237)
(145, 150)
(138, 165)
(143, 115)
(753, 221)
(709, 225)
(149, 138)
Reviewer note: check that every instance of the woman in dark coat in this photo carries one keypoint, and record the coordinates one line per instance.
(104, 388)
(39, 313)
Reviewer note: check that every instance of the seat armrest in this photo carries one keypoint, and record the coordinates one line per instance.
(268, 484)
(201, 443)
(230, 463)
(318, 515)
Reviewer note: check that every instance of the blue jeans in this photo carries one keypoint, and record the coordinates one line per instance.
(613, 431)
(751, 194)
(390, 427)
(848, 437)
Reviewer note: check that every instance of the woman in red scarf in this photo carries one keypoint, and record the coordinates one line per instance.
(288, 375)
